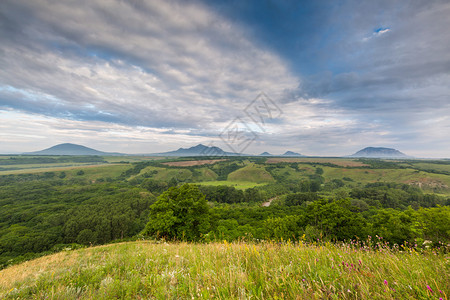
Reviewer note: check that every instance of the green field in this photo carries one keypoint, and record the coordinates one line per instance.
(131, 159)
(147, 270)
(432, 166)
(36, 168)
(240, 185)
(427, 181)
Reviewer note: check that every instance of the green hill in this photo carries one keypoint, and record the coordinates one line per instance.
(251, 173)
(148, 270)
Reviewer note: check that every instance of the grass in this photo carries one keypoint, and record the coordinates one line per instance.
(291, 174)
(131, 158)
(38, 168)
(167, 174)
(92, 170)
(240, 185)
(147, 270)
(343, 162)
(431, 166)
(189, 163)
(251, 173)
(428, 181)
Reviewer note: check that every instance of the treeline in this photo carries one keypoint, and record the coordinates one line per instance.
(41, 216)
(320, 218)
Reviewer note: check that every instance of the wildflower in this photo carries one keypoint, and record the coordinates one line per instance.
(385, 282)
(428, 287)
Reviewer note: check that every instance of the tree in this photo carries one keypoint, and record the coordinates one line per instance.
(335, 219)
(86, 237)
(319, 171)
(179, 213)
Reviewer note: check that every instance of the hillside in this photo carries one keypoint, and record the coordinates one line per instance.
(251, 173)
(70, 149)
(379, 152)
(148, 270)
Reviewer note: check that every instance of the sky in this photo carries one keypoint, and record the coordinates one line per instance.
(322, 78)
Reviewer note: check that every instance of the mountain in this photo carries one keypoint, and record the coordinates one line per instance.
(70, 149)
(379, 152)
(290, 153)
(265, 154)
(199, 150)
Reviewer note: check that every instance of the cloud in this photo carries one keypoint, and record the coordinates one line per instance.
(346, 76)
(141, 63)
(17, 129)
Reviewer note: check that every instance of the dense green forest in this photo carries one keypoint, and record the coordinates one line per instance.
(335, 200)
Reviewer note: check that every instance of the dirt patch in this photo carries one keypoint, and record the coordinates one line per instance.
(334, 161)
(190, 163)
(268, 202)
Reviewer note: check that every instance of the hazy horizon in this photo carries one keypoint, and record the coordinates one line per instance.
(215, 154)
(321, 78)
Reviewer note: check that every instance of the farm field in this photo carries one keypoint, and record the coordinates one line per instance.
(229, 271)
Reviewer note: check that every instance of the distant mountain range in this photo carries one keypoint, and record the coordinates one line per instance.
(379, 152)
(202, 150)
(70, 149)
(287, 153)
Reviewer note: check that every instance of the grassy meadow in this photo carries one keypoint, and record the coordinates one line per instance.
(240, 185)
(149, 270)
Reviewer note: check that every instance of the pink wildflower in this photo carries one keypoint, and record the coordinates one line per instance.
(428, 287)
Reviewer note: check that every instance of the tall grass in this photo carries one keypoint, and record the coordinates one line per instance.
(149, 270)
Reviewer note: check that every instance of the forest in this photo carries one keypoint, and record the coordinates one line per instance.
(327, 200)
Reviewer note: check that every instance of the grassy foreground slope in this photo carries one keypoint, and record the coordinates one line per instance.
(146, 270)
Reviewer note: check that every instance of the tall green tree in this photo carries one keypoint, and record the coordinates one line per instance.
(179, 213)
